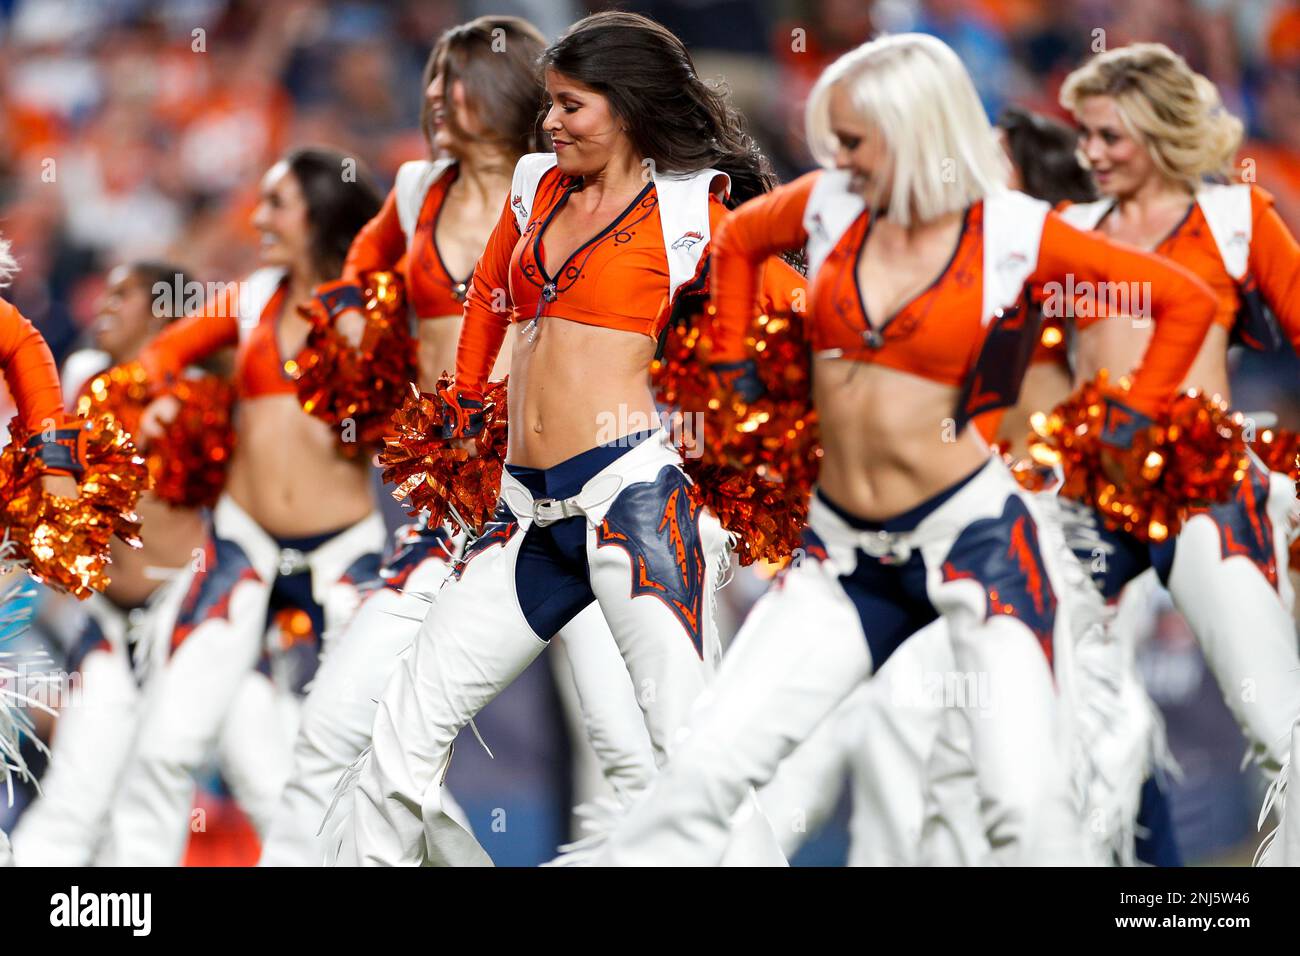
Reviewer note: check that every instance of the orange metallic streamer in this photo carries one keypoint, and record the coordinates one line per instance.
(357, 390)
(431, 473)
(63, 542)
(753, 466)
(1193, 456)
(188, 461)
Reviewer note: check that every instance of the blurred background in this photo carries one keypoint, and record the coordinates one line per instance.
(134, 129)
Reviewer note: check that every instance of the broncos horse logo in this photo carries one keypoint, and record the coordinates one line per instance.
(1245, 529)
(656, 524)
(687, 239)
(1001, 554)
(225, 566)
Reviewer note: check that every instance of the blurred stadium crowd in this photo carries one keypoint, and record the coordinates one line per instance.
(131, 128)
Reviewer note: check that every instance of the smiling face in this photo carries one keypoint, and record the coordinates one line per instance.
(282, 219)
(588, 136)
(860, 148)
(444, 101)
(125, 315)
(1120, 163)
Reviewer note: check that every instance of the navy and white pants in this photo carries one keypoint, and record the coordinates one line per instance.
(614, 525)
(222, 681)
(974, 556)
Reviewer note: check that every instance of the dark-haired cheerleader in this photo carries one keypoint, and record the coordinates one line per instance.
(481, 95)
(593, 247)
(292, 537)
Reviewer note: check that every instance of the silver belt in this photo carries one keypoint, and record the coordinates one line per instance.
(885, 546)
(292, 561)
(547, 511)
(550, 510)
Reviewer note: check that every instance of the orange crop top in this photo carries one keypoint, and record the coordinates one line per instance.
(29, 370)
(617, 279)
(433, 293)
(1273, 268)
(259, 369)
(939, 334)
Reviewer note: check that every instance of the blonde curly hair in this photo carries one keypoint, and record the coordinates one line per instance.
(1166, 105)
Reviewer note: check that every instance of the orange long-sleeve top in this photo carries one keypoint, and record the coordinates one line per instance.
(259, 367)
(431, 290)
(618, 279)
(29, 370)
(1273, 266)
(937, 335)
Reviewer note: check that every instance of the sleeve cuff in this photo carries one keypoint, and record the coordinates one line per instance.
(63, 453)
(338, 297)
(1121, 423)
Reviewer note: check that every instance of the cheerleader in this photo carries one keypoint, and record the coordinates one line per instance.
(919, 259)
(480, 116)
(881, 737)
(66, 823)
(1154, 134)
(295, 531)
(33, 381)
(595, 245)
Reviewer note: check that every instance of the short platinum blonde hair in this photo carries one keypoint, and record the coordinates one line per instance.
(8, 264)
(1165, 105)
(943, 154)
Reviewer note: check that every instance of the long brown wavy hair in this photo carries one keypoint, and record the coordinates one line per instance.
(495, 61)
(673, 117)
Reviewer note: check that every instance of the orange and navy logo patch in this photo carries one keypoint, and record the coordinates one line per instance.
(657, 524)
(1001, 554)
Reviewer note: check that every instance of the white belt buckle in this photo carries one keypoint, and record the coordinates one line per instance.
(886, 547)
(547, 511)
(292, 561)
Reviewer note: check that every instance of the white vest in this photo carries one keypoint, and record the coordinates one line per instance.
(1086, 215)
(1013, 229)
(683, 211)
(411, 186)
(255, 292)
(1226, 209)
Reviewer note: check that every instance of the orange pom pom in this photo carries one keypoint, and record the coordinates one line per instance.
(754, 465)
(1279, 450)
(61, 541)
(121, 392)
(1193, 456)
(358, 389)
(188, 462)
(432, 474)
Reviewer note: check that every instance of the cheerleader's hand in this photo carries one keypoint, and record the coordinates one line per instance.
(61, 452)
(1121, 424)
(341, 302)
(351, 324)
(160, 413)
(60, 485)
(464, 411)
(468, 445)
(740, 378)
